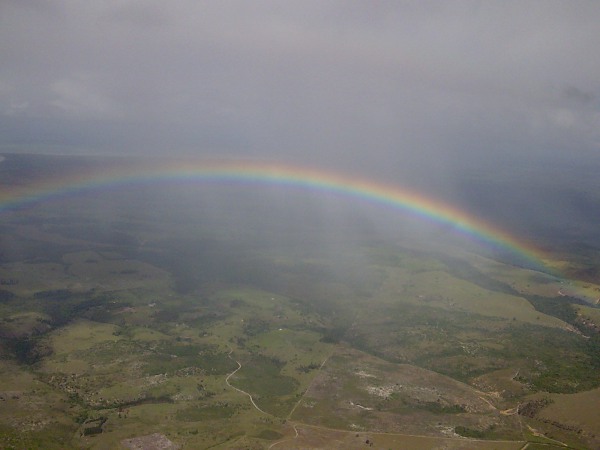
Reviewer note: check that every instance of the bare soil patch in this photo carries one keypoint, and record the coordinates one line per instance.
(155, 441)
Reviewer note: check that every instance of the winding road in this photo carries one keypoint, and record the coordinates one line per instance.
(240, 390)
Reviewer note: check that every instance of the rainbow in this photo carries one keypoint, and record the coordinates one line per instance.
(251, 172)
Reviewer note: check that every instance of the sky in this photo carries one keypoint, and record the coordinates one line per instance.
(376, 86)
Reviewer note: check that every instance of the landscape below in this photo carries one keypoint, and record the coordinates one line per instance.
(179, 315)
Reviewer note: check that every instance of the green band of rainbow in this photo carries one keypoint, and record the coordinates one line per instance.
(276, 174)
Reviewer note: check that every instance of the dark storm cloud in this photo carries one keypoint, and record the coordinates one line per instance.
(357, 84)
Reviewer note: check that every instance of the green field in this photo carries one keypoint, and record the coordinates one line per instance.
(152, 316)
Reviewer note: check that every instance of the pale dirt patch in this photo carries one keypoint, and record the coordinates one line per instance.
(153, 380)
(155, 441)
(363, 374)
(381, 391)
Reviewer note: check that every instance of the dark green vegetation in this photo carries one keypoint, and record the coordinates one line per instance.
(464, 345)
(123, 316)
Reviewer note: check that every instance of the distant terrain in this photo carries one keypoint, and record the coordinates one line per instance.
(177, 315)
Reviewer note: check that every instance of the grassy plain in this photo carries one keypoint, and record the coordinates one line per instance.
(159, 313)
(322, 437)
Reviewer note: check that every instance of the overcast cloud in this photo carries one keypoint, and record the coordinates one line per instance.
(374, 85)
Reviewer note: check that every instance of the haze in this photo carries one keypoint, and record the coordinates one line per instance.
(145, 308)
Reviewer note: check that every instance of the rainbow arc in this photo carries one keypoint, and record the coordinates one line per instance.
(275, 174)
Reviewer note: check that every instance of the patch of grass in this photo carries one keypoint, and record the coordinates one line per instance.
(269, 435)
(54, 437)
(255, 326)
(170, 357)
(469, 432)
(261, 375)
(556, 360)
(560, 307)
(205, 412)
(439, 408)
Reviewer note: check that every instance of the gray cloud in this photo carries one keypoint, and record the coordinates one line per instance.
(374, 85)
